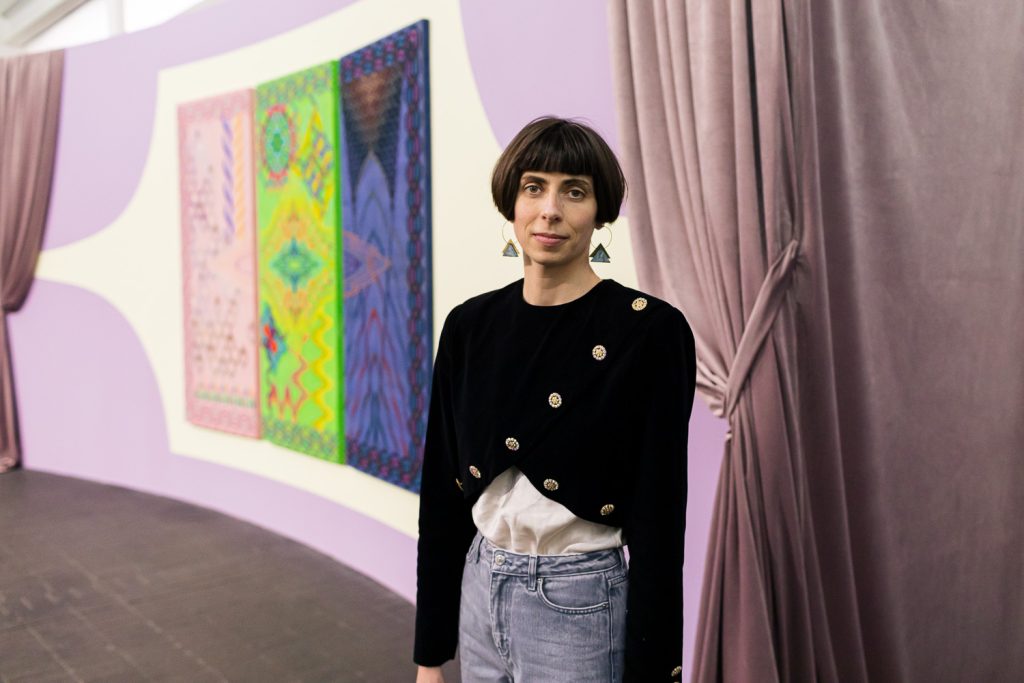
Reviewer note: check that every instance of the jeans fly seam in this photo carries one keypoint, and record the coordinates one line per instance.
(498, 616)
(611, 630)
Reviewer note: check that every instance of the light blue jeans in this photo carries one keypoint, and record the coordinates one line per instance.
(542, 619)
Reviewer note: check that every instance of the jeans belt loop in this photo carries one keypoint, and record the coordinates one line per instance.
(531, 583)
(474, 548)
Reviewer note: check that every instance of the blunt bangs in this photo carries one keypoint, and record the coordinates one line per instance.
(560, 149)
(554, 145)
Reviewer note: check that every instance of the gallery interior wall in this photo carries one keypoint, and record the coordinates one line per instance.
(98, 347)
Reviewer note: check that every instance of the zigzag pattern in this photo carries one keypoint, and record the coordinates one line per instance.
(288, 403)
(317, 368)
(298, 272)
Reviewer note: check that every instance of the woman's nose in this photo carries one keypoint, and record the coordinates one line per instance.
(550, 209)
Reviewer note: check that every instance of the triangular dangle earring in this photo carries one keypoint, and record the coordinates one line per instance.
(510, 246)
(600, 254)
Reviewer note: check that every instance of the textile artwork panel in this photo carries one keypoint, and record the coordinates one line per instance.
(218, 262)
(386, 207)
(300, 305)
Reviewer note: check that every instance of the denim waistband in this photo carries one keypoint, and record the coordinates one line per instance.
(508, 562)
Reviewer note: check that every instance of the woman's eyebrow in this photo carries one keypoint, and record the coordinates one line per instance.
(582, 182)
(571, 181)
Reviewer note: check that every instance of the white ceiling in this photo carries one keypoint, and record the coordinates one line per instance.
(23, 20)
(33, 25)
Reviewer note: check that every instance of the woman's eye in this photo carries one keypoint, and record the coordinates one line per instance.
(576, 193)
(531, 188)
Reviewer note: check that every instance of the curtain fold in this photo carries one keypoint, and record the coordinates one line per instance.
(711, 160)
(30, 89)
(832, 193)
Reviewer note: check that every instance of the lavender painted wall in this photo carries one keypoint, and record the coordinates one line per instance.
(90, 408)
(536, 57)
(89, 403)
(109, 100)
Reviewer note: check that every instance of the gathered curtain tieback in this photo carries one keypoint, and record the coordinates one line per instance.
(723, 393)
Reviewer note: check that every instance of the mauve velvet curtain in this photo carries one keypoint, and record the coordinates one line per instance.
(30, 88)
(833, 193)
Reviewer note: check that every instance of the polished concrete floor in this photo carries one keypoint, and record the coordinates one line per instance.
(99, 583)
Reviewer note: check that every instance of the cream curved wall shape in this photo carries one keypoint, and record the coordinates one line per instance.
(146, 288)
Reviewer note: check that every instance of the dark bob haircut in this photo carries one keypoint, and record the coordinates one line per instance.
(553, 145)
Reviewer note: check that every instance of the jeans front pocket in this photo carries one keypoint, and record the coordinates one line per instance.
(574, 593)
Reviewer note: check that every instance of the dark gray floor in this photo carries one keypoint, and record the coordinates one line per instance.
(98, 583)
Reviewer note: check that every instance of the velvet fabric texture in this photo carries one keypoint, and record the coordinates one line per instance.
(591, 401)
(30, 88)
(832, 192)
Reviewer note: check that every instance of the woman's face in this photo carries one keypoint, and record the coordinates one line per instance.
(555, 217)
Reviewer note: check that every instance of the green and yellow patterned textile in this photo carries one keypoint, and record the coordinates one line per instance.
(299, 252)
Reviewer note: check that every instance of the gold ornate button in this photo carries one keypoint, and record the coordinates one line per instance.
(639, 303)
(474, 471)
(607, 509)
(511, 444)
(551, 484)
(599, 352)
(458, 483)
(676, 671)
(555, 399)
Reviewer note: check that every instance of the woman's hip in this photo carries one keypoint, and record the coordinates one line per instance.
(546, 617)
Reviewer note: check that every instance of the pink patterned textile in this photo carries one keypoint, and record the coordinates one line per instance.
(218, 263)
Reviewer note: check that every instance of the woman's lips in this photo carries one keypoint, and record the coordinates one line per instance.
(548, 240)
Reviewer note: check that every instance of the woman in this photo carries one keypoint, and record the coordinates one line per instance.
(557, 433)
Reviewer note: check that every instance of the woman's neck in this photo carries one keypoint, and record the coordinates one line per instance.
(542, 287)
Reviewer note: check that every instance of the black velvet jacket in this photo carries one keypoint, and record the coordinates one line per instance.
(594, 394)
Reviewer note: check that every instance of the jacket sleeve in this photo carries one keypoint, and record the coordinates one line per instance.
(445, 522)
(657, 521)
